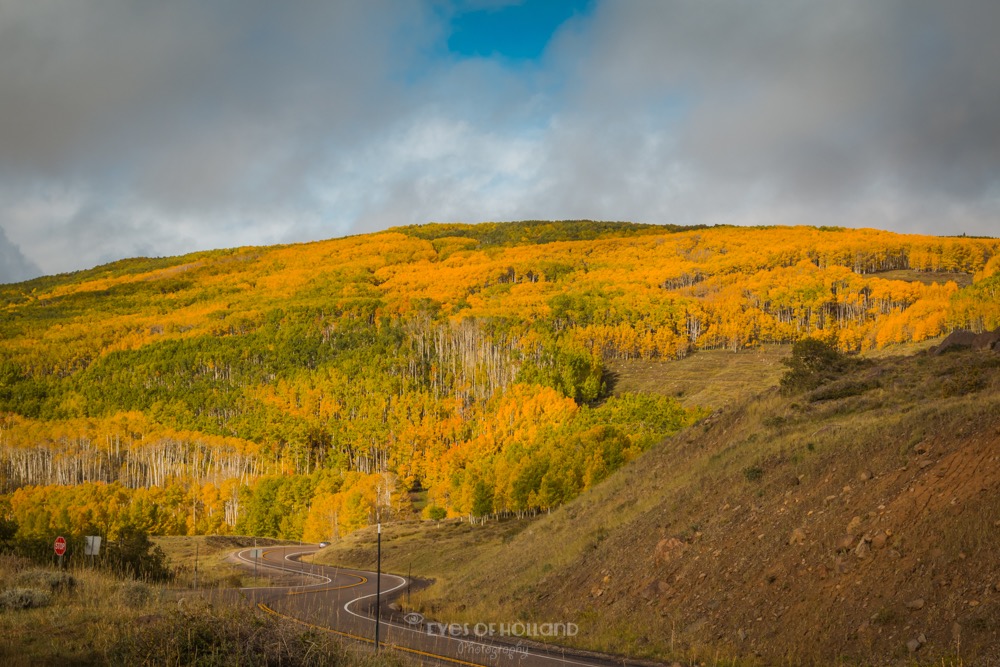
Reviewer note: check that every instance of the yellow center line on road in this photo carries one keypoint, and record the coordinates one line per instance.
(368, 640)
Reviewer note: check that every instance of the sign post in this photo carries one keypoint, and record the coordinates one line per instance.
(60, 549)
(93, 545)
(256, 557)
(378, 585)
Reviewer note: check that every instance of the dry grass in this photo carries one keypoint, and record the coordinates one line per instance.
(100, 620)
(711, 378)
(926, 277)
(211, 553)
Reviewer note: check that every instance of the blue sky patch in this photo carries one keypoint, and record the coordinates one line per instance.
(517, 32)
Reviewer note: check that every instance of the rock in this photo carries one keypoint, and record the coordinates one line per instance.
(915, 604)
(742, 635)
(649, 592)
(925, 463)
(862, 550)
(654, 590)
(865, 475)
(922, 448)
(989, 340)
(879, 540)
(798, 537)
(913, 645)
(846, 543)
(668, 549)
(696, 625)
(854, 527)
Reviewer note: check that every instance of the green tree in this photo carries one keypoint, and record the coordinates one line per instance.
(812, 363)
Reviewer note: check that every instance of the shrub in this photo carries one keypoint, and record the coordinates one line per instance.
(436, 513)
(24, 598)
(842, 389)
(134, 555)
(54, 581)
(134, 594)
(812, 363)
(963, 381)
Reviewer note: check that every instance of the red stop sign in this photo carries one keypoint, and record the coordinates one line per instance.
(60, 545)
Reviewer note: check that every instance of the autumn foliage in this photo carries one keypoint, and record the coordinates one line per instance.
(299, 391)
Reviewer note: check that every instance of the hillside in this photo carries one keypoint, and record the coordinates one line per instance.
(832, 526)
(443, 370)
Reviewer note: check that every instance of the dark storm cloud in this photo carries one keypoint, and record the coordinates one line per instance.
(156, 128)
(847, 106)
(14, 266)
(156, 113)
(194, 104)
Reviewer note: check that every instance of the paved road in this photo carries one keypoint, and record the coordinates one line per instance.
(343, 601)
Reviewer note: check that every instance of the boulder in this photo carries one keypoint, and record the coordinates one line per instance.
(989, 340)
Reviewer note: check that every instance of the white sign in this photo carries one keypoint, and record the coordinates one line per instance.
(93, 546)
(256, 553)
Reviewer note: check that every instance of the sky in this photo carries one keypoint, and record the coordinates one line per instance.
(131, 128)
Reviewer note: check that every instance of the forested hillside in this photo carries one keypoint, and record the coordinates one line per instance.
(292, 390)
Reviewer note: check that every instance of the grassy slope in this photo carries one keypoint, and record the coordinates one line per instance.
(726, 542)
(708, 378)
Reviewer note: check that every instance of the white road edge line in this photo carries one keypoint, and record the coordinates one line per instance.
(326, 580)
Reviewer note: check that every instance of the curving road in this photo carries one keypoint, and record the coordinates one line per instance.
(342, 601)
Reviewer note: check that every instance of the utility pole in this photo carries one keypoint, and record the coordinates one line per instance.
(378, 585)
(196, 565)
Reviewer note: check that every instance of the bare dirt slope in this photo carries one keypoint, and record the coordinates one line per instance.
(855, 524)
